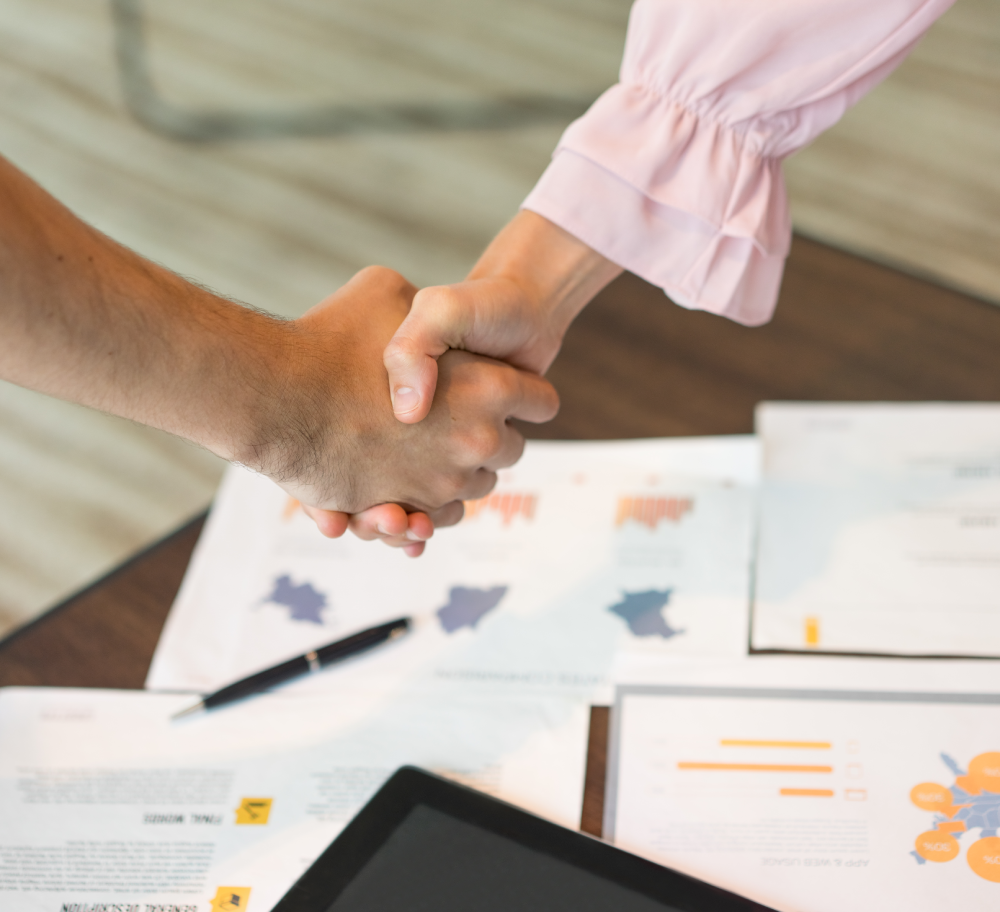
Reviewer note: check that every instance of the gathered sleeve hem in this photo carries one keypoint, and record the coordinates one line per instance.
(715, 243)
(674, 173)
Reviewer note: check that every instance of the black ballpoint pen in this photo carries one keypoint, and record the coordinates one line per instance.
(303, 664)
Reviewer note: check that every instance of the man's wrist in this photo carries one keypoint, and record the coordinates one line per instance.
(284, 419)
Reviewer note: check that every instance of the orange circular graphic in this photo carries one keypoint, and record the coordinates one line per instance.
(936, 846)
(984, 771)
(984, 858)
(930, 796)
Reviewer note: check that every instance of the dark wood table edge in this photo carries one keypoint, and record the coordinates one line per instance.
(114, 572)
(907, 270)
(906, 657)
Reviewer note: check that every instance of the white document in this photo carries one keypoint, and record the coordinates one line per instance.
(880, 529)
(106, 804)
(583, 552)
(812, 799)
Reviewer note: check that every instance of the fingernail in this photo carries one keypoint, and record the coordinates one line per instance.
(404, 399)
(412, 536)
(381, 531)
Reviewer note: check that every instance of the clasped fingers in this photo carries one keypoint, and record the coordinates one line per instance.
(475, 401)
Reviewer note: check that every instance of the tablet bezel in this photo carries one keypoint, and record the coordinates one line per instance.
(408, 787)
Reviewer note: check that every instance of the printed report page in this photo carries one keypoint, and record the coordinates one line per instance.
(879, 529)
(106, 805)
(813, 800)
(583, 552)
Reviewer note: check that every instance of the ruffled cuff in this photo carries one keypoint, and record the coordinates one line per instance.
(684, 203)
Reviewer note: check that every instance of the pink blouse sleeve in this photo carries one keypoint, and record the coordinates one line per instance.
(675, 172)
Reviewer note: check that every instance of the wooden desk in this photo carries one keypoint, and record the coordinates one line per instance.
(633, 366)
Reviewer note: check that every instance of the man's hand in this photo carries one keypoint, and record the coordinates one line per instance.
(516, 305)
(335, 444)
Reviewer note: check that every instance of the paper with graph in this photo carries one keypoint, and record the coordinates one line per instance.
(880, 528)
(813, 799)
(583, 551)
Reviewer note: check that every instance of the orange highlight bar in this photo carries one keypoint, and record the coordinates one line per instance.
(508, 505)
(755, 767)
(812, 631)
(950, 826)
(650, 511)
(807, 793)
(805, 745)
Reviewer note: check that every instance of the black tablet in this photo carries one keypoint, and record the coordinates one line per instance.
(424, 844)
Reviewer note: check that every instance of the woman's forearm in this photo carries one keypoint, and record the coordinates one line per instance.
(554, 270)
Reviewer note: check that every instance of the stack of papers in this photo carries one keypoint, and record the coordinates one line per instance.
(583, 556)
(584, 551)
(657, 567)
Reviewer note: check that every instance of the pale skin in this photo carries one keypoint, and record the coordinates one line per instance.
(304, 401)
(516, 304)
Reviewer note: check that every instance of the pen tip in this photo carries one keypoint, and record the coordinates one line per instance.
(189, 710)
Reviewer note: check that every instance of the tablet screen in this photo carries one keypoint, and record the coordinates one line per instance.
(434, 862)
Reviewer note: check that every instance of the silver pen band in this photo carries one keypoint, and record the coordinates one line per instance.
(313, 661)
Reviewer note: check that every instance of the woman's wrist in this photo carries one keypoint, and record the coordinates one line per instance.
(556, 272)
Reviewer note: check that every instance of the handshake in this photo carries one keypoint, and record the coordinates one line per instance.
(400, 400)
(380, 410)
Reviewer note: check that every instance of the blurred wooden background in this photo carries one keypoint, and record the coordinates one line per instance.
(911, 176)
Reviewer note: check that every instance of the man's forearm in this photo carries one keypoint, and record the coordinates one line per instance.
(87, 320)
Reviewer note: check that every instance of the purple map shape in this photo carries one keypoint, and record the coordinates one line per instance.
(466, 606)
(643, 612)
(304, 602)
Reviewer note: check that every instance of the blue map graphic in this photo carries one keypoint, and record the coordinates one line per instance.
(977, 809)
(303, 602)
(643, 612)
(466, 606)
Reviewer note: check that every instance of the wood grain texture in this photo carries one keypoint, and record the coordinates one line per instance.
(846, 329)
(592, 815)
(105, 635)
(911, 175)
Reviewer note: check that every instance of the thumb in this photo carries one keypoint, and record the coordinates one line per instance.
(436, 322)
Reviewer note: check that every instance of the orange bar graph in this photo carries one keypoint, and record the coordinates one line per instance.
(807, 793)
(755, 767)
(804, 745)
(508, 504)
(649, 511)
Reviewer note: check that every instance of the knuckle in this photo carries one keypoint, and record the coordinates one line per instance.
(388, 279)
(482, 483)
(482, 444)
(515, 450)
(443, 307)
(507, 383)
(397, 353)
(449, 515)
(454, 486)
